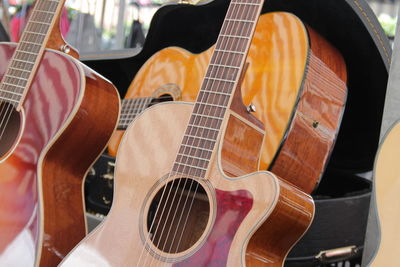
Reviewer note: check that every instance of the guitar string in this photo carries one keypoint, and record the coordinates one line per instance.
(238, 47)
(163, 194)
(161, 199)
(192, 181)
(24, 36)
(131, 110)
(200, 119)
(192, 184)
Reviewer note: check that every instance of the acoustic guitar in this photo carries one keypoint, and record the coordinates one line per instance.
(53, 126)
(387, 188)
(173, 204)
(294, 84)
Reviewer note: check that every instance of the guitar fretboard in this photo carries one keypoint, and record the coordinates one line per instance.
(27, 55)
(218, 87)
(131, 108)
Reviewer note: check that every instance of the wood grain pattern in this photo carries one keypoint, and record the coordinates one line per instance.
(57, 42)
(158, 138)
(81, 143)
(315, 124)
(59, 112)
(272, 80)
(293, 81)
(387, 189)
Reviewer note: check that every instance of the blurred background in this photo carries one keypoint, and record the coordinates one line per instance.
(101, 25)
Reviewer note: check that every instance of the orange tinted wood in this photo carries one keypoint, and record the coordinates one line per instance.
(146, 155)
(308, 145)
(277, 60)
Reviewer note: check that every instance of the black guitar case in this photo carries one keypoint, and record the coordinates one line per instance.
(342, 199)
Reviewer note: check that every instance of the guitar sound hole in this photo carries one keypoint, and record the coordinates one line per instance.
(10, 123)
(177, 223)
(162, 98)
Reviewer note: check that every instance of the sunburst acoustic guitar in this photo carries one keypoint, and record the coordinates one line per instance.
(53, 125)
(387, 191)
(173, 204)
(294, 84)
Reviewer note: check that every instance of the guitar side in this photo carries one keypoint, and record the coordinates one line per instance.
(296, 81)
(254, 219)
(387, 188)
(42, 212)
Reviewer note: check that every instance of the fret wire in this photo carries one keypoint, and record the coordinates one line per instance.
(23, 61)
(8, 99)
(31, 43)
(234, 36)
(18, 69)
(44, 11)
(194, 157)
(221, 80)
(198, 137)
(39, 22)
(27, 52)
(231, 47)
(224, 66)
(9, 92)
(11, 81)
(195, 147)
(15, 77)
(9, 84)
(203, 127)
(228, 51)
(188, 165)
(209, 116)
(30, 32)
(240, 20)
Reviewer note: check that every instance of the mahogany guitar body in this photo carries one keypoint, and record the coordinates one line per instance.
(247, 220)
(63, 130)
(295, 79)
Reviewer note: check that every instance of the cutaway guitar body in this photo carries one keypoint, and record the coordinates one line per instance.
(295, 79)
(62, 131)
(252, 219)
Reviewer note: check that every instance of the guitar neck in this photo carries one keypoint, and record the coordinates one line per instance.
(130, 108)
(27, 56)
(218, 86)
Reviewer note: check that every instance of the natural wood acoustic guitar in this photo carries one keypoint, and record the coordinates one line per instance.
(294, 84)
(387, 192)
(56, 117)
(173, 204)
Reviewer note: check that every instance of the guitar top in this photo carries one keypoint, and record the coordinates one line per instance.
(52, 129)
(387, 191)
(173, 205)
(294, 84)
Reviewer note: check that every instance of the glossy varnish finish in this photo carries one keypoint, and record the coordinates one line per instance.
(277, 61)
(60, 119)
(313, 130)
(157, 133)
(387, 190)
(294, 82)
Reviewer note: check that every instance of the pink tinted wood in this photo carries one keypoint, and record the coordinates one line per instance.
(232, 208)
(51, 98)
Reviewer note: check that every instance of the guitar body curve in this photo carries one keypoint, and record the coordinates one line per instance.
(242, 209)
(387, 188)
(42, 208)
(295, 79)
